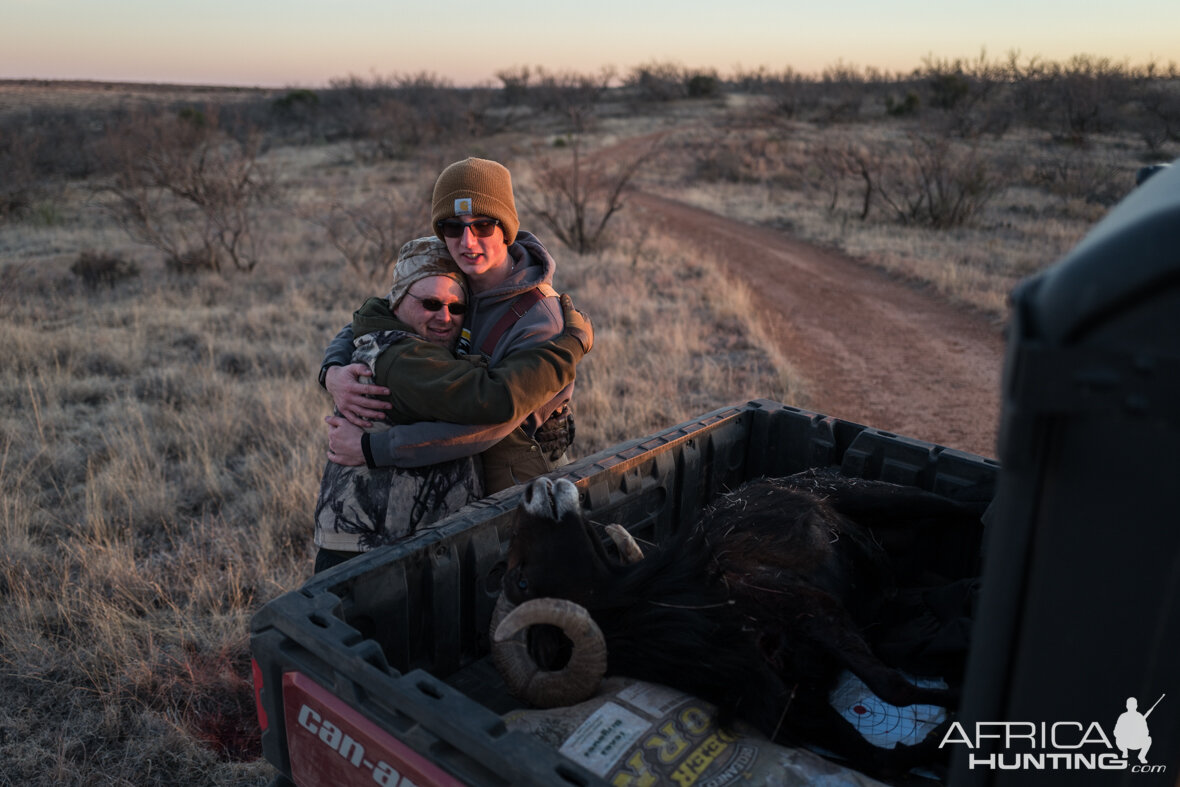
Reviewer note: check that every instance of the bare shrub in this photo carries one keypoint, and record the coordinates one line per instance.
(18, 184)
(1159, 98)
(570, 93)
(965, 94)
(391, 130)
(842, 94)
(657, 81)
(791, 93)
(514, 84)
(388, 118)
(834, 162)
(1074, 173)
(929, 180)
(51, 142)
(1087, 92)
(368, 235)
(577, 196)
(1025, 93)
(721, 156)
(185, 188)
(95, 268)
(720, 163)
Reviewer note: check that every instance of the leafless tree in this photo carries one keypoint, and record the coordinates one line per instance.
(391, 117)
(928, 180)
(1086, 92)
(657, 81)
(577, 195)
(186, 188)
(1159, 98)
(572, 94)
(1071, 173)
(368, 235)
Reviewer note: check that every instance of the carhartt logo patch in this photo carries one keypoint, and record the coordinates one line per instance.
(463, 206)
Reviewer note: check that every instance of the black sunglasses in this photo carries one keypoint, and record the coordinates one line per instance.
(434, 304)
(480, 228)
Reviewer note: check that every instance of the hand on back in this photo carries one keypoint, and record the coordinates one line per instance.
(354, 399)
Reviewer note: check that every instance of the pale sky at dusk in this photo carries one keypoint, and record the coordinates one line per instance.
(305, 43)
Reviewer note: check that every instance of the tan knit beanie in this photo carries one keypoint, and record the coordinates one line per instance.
(419, 259)
(475, 187)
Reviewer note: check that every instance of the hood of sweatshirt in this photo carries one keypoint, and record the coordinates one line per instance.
(531, 265)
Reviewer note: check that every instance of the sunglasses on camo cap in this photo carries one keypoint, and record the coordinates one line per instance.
(480, 228)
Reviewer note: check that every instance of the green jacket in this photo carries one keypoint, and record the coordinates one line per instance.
(360, 508)
(509, 450)
(428, 383)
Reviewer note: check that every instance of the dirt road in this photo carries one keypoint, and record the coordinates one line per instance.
(872, 350)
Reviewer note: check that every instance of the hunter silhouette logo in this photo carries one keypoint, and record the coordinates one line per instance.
(1058, 745)
(1130, 731)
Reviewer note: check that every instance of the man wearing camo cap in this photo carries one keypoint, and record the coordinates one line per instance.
(514, 306)
(405, 339)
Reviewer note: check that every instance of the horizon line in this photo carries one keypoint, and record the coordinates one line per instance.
(491, 82)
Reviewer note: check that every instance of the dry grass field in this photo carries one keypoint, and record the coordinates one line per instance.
(161, 439)
(788, 174)
(160, 451)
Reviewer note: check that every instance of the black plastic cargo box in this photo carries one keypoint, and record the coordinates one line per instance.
(388, 652)
(1081, 594)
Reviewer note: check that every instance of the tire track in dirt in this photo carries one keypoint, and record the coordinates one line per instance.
(871, 349)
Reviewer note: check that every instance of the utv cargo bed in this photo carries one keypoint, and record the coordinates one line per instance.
(378, 669)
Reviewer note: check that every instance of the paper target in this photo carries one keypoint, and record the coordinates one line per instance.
(882, 724)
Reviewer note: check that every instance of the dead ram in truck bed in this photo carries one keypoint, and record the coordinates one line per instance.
(757, 609)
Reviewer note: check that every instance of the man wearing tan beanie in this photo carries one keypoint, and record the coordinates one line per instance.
(514, 306)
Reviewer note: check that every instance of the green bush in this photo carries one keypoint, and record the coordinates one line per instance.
(703, 85)
(907, 106)
(947, 90)
(296, 101)
(193, 116)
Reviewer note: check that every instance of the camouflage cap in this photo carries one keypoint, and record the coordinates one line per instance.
(420, 259)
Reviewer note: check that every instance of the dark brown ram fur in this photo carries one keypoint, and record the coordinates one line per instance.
(758, 607)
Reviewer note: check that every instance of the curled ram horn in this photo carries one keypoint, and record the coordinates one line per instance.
(629, 551)
(577, 680)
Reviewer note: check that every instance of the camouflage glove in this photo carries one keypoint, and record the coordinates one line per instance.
(556, 434)
(577, 324)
